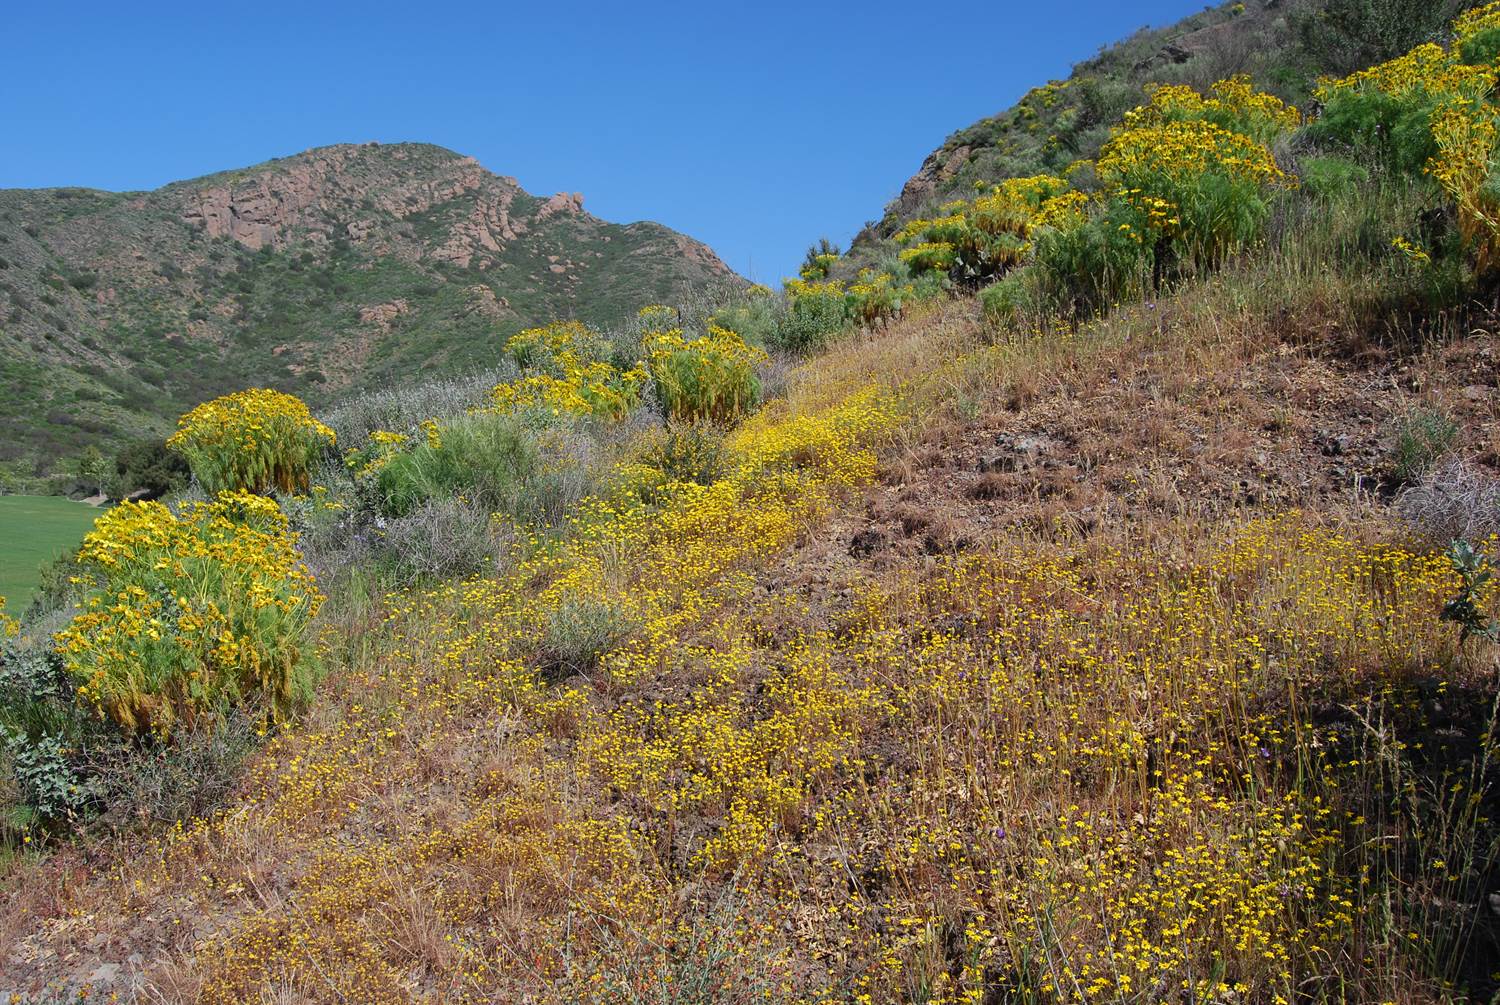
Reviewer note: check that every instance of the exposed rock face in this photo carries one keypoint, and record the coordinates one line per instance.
(939, 168)
(563, 202)
(487, 228)
(269, 204)
(382, 315)
(482, 301)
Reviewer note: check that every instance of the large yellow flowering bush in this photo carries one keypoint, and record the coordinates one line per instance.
(188, 613)
(1189, 181)
(596, 389)
(1233, 104)
(256, 440)
(551, 344)
(981, 239)
(571, 373)
(875, 297)
(1431, 112)
(708, 378)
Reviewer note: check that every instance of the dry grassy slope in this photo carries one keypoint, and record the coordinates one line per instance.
(1139, 444)
(344, 265)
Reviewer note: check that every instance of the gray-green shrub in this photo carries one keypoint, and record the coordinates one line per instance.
(1422, 436)
(531, 468)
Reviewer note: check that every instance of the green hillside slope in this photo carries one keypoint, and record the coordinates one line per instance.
(337, 268)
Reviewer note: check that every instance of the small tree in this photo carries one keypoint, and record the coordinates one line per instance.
(94, 470)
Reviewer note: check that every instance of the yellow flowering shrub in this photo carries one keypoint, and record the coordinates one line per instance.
(710, 378)
(1013, 205)
(595, 389)
(557, 342)
(1191, 183)
(1232, 104)
(935, 256)
(818, 266)
(1470, 24)
(874, 297)
(1464, 134)
(1427, 71)
(571, 373)
(981, 239)
(255, 440)
(1389, 108)
(191, 612)
(383, 445)
(1432, 111)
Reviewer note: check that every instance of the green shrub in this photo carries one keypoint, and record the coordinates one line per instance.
(755, 319)
(1422, 437)
(1467, 608)
(816, 312)
(819, 260)
(683, 453)
(41, 729)
(1482, 48)
(1013, 298)
(1347, 35)
(580, 632)
(521, 464)
(875, 297)
(146, 465)
(1332, 177)
(1396, 128)
(1091, 265)
(711, 378)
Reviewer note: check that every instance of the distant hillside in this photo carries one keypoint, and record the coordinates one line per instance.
(1284, 45)
(342, 266)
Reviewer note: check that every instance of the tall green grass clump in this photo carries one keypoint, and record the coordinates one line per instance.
(816, 311)
(524, 464)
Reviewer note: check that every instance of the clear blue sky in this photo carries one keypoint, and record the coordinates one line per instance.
(756, 127)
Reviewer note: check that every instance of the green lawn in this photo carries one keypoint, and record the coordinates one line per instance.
(34, 530)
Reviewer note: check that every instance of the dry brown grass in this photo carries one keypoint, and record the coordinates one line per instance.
(987, 613)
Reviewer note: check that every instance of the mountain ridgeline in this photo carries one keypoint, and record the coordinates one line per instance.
(338, 268)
